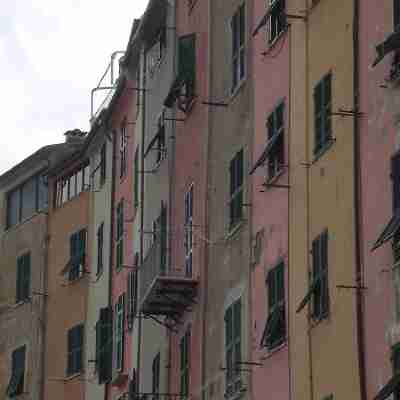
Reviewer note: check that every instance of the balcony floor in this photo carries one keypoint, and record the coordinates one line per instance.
(169, 296)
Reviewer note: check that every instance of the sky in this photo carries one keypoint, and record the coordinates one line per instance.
(52, 53)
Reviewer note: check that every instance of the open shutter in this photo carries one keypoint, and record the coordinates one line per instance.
(280, 283)
(26, 277)
(237, 331)
(316, 257)
(229, 344)
(163, 239)
(318, 116)
(106, 343)
(70, 345)
(324, 273)
(20, 268)
(396, 15)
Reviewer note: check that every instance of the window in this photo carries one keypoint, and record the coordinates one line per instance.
(120, 235)
(322, 113)
(238, 28)
(187, 70)
(189, 232)
(136, 178)
(320, 276)
(155, 369)
(233, 344)
(26, 200)
(396, 14)
(71, 185)
(185, 363)
(77, 255)
(23, 278)
(275, 127)
(123, 149)
(132, 284)
(319, 289)
(100, 245)
(236, 189)
(104, 342)
(157, 143)
(103, 165)
(119, 333)
(156, 53)
(75, 350)
(277, 19)
(16, 384)
(275, 329)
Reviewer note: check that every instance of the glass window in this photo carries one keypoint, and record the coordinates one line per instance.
(13, 208)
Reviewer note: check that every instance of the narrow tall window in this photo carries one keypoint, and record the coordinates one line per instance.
(16, 384)
(132, 296)
(189, 232)
(23, 277)
(187, 67)
(275, 329)
(77, 255)
(238, 27)
(104, 342)
(120, 235)
(275, 127)
(233, 344)
(75, 350)
(119, 333)
(155, 369)
(123, 149)
(185, 364)
(396, 15)
(277, 19)
(322, 113)
(136, 178)
(100, 250)
(103, 165)
(236, 189)
(320, 276)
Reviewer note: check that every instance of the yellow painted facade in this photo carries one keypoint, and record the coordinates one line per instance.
(323, 354)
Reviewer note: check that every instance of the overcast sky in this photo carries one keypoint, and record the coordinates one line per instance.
(52, 53)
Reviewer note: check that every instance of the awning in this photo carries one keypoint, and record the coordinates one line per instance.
(389, 388)
(391, 43)
(388, 232)
(265, 153)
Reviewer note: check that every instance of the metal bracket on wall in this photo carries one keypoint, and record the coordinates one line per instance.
(39, 294)
(347, 113)
(215, 103)
(351, 287)
(175, 119)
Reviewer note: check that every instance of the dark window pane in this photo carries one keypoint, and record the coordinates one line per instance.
(29, 198)
(13, 208)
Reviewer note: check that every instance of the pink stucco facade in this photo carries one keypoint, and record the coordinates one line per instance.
(124, 110)
(269, 208)
(378, 142)
(190, 171)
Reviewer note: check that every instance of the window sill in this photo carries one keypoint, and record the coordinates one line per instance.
(320, 152)
(72, 377)
(235, 229)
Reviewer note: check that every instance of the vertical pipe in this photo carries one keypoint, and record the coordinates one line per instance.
(358, 206)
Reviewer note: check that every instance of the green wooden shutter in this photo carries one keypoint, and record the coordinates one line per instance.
(280, 283)
(316, 277)
(82, 247)
(70, 342)
(327, 96)
(106, 344)
(79, 347)
(318, 117)
(163, 239)
(187, 57)
(395, 175)
(324, 273)
(237, 332)
(136, 178)
(229, 343)
(26, 280)
(20, 267)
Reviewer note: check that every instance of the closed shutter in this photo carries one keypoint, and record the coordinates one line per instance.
(229, 344)
(74, 257)
(20, 268)
(187, 58)
(106, 343)
(82, 248)
(237, 332)
(396, 182)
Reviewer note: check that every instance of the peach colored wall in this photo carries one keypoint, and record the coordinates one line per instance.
(66, 302)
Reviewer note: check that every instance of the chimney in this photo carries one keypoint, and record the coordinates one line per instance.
(75, 136)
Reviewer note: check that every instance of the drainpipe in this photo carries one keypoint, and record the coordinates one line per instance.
(111, 253)
(207, 161)
(358, 206)
(142, 150)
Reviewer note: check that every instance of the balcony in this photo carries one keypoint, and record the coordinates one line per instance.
(164, 292)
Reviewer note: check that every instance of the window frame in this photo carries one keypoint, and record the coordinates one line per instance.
(77, 261)
(236, 172)
(276, 133)
(119, 262)
(75, 350)
(238, 43)
(233, 347)
(119, 337)
(23, 281)
(188, 224)
(323, 129)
